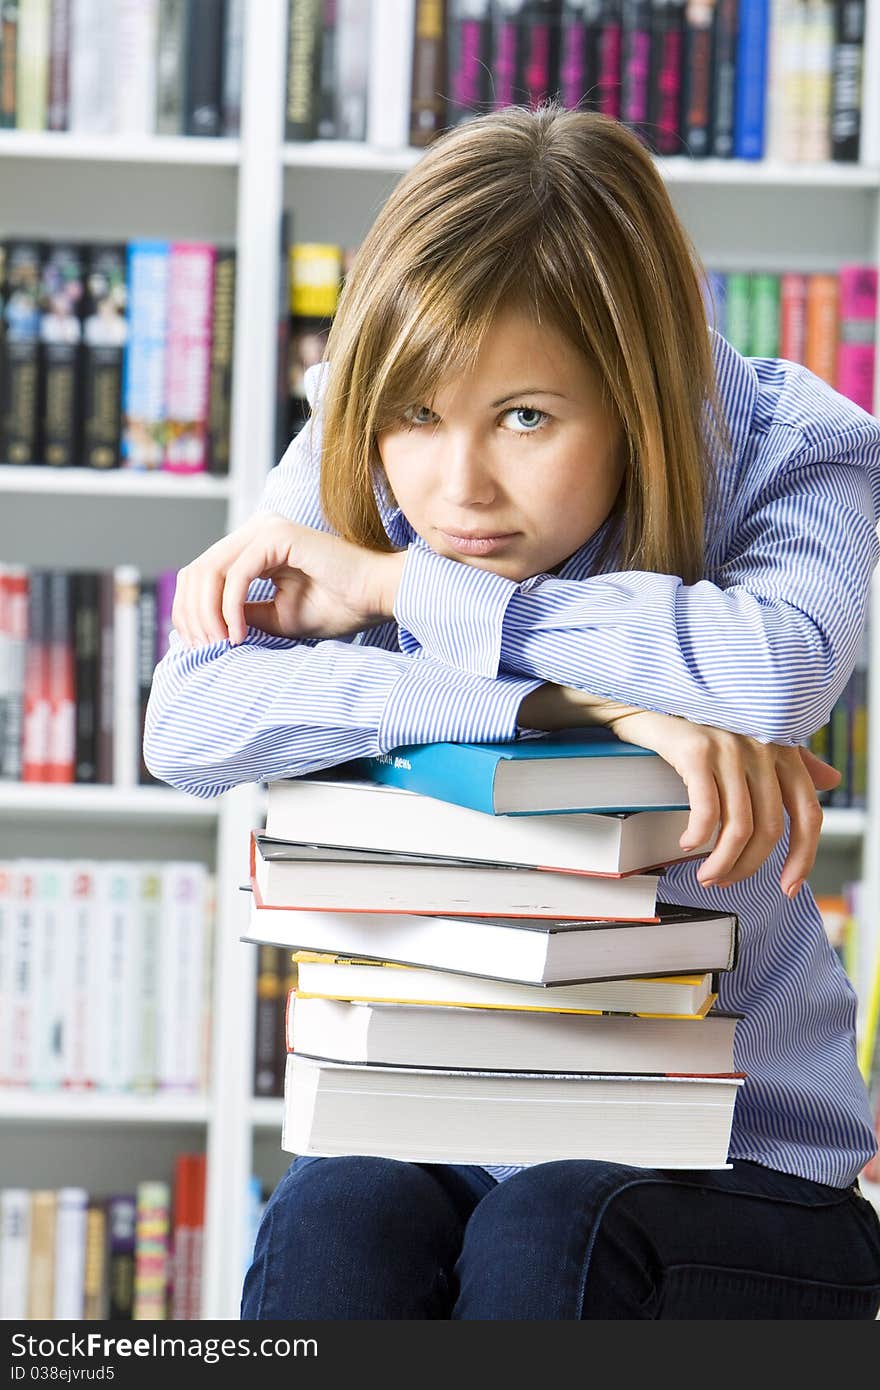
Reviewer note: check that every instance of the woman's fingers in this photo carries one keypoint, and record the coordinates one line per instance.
(805, 816)
(705, 804)
(737, 822)
(824, 777)
(769, 822)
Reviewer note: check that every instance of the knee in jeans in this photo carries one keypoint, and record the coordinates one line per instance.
(375, 1196)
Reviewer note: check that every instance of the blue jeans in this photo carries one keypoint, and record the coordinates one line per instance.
(359, 1238)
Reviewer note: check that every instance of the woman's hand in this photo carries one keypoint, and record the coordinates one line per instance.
(743, 786)
(324, 586)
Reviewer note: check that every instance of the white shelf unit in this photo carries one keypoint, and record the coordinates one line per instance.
(739, 215)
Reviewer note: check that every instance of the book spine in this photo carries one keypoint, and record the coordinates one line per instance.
(51, 878)
(143, 373)
(86, 659)
(95, 1304)
(222, 348)
(389, 73)
(151, 1251)
(70, 1253)
(165, 587)
(15, 1240)
(233, 65)
(16, 585)
(666, 82)
(765, 315)
(203, 106)
(325, 98)
(577, 36)
(32, 55)
(469, 41)
(148, 891)
(818, 78)
(822, 330)
(106, 666)
(91, 59)
(751, 79)
(37, 699)
(41, 1264)
(793, 316)
(739, 312)
(86, 968)
(352, 58)
(121, 1234)
(269, 985)
(857, 696)
(636, 66)
(147, 636)
(858, 333)
(182, 1194)
(775, 68)
(846, 80)
(59, 65)
(21, 1016)
(60, 354)
(118, 1023)
(171, 63)
(7, 929)
(134, 44)
(126, 740)
(723, 78)
(427, 110)
(305, 19)
(538, 55)
(182, 955)
(20, 385)
(105, 329)
(715, 296)
(62, 680)
(793, 83)
(188, 357)
(8, 62)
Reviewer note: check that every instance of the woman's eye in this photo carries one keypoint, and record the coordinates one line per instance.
(532, 418)
(411, 416)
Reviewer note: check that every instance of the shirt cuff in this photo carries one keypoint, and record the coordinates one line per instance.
(453, 611)
(430, 703)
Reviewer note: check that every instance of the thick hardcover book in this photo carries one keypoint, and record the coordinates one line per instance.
(485, 1117)
(8, 61)
(86, 655)
(305, 19)
(697, 78)
(857, 350)
(188, 356)
(363, 1032)
(222, 349)
(724, 78)
(576, 770)
(469, 51)
(635, 66)
(171, 65)
(535, 952)
(59, 65)
(203, 102)
(105, 331)
(666, 76)
(366, 815)
(846, 82)
(143, 371)
(61, 293)
(751, 79)
(20, 359)
(352, 55)
(538, 53)
(427, 115)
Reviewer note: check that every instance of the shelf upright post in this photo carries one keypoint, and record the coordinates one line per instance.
(252, 455)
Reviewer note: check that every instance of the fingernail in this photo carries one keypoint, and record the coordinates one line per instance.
(794, 888)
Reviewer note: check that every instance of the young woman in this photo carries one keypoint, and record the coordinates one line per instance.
(537, 491)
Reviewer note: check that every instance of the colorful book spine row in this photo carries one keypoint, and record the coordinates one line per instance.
(77, 655)
(122, 67)
(134, 1255)
(116, 355)
(826, 320)
(746, 79)
(105, 975)
(843, 741)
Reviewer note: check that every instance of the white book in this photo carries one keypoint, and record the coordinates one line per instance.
(869, 139)
(24, 984)
(353, 52)
(92, 93)
(85, 977)
(444, 1116)
(15, 1221)
(182, 954)
(32, 64)
(51, 882)
(818, 70)
(367, 815)
(148, 891)
(119, 911)
(70, 1253)
(134, 66)
(392, 29)
(6, 958)
(126, 707)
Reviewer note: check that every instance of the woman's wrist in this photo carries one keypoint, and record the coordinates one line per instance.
(389, 572)
(553, 707)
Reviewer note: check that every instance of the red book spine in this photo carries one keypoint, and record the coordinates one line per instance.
(610, 57)
(188, 356)
(793, 316)
(37, 698)
(62, 681)
(858, 329)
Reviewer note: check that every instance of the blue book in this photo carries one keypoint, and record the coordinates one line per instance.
(143, 364)
(575, 770)
(751, 80)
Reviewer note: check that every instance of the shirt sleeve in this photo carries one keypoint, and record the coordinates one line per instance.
(273, 707)
(763, 649)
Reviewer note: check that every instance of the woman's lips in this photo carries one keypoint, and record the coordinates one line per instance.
(476, 544)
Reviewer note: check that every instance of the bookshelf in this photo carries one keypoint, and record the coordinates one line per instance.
(755, 215)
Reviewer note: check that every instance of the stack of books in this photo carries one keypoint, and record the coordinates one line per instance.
(485, 972)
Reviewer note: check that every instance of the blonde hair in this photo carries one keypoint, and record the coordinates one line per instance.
(564, 215)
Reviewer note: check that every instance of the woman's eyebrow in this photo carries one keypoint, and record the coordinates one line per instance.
(527, 391)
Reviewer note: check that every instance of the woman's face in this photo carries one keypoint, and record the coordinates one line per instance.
(514, 467)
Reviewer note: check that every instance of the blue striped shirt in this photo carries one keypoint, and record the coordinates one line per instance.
(763, 646)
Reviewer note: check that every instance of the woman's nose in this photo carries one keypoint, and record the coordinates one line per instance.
(467, 477)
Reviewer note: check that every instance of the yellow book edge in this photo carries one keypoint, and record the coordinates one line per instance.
(516, 1008)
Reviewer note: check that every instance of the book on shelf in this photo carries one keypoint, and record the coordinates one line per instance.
(121, 1209)
(486, 1117)
(343, 977)
(70, 1254)
(312, 877)
(95, 1291)
(360, 814)
(152, 1252)
(529, 950)
(15, 1226)
(419, 1035)
(584, 769)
